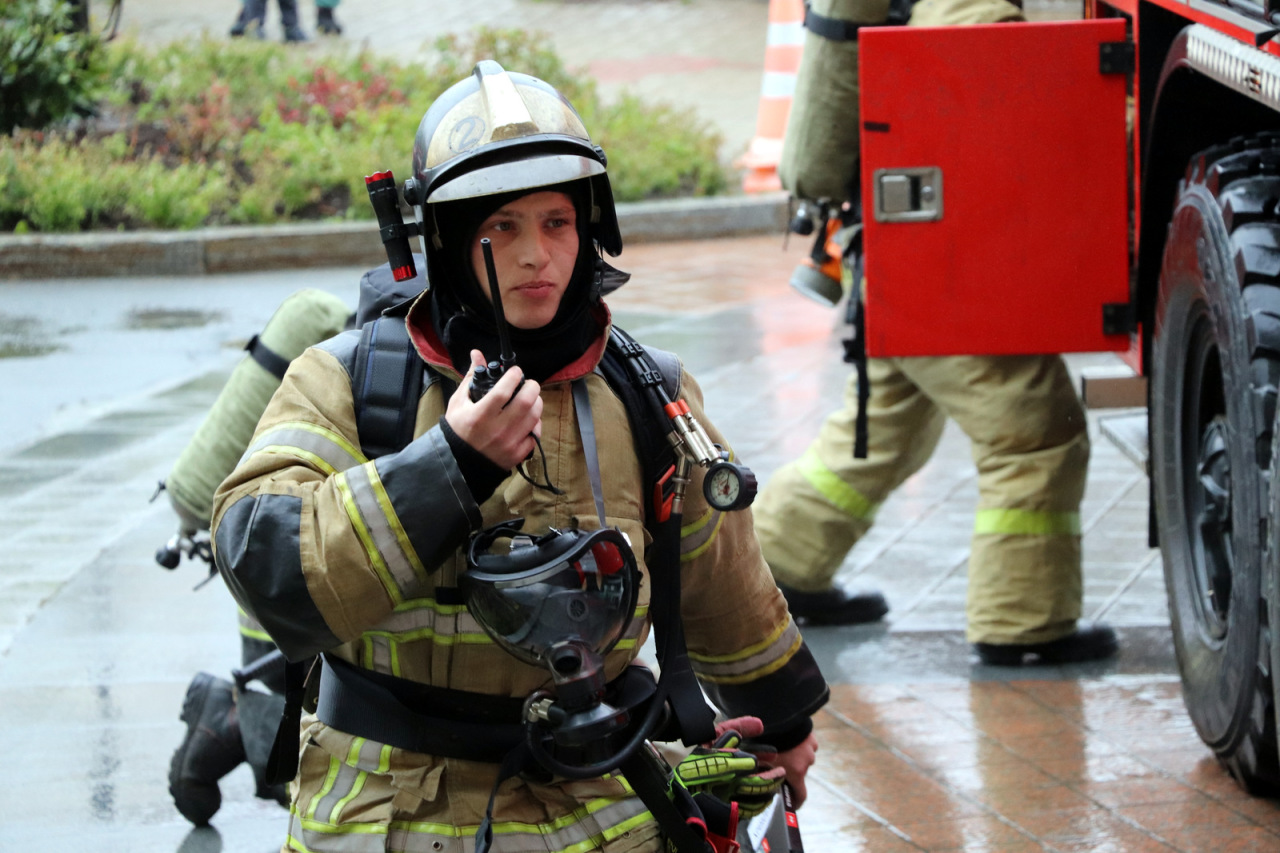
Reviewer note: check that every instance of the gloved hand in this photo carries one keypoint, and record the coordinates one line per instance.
(728, 773)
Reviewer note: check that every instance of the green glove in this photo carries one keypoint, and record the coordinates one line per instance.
(730, 774)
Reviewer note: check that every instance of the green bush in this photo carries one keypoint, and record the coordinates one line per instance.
(247, 132)
(47, 72)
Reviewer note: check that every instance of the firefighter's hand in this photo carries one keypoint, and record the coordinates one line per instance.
(728, 773)
(796, 761)
(503, 423)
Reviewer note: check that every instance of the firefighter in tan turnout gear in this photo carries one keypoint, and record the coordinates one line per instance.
(1021, 413)
(363, 557)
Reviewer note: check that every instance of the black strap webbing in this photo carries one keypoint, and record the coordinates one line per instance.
(271, 361)
(668, 802)
(628, 368)
(386, 386)
(587, 429)
(282, 764)
(417, 717)
(832, 29)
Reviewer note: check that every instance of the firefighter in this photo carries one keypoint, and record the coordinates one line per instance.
(252, 19)
(1028, 437)
(361, 560)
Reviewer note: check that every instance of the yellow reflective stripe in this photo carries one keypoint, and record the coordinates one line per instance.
(380, 519)
(315, 460)
(749, 651)
(448, 625)
(366, 539)
(433, 635)
(567, 834)
(356, 787)
(1025, 522)
(335, 767)
(393, 520)
(734, 669)
(252, 634)
(343, 838)
(249, 627)
(327, 450)
(837, 492)
(697, 537)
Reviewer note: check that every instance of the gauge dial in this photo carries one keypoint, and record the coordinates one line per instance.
(728, 486)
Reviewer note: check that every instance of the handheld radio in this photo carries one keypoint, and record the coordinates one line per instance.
(486, 376)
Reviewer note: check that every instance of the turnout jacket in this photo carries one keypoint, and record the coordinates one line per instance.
(334, 552)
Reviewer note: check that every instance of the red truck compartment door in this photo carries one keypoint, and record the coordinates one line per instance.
(994, 186)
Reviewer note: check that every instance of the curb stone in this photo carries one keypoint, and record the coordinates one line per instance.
(238, 249)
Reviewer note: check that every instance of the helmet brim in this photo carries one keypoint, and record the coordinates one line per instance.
(524, 174)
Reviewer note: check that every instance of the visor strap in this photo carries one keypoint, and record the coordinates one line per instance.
(587, 429)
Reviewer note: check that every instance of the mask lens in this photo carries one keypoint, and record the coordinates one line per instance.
(586, 597)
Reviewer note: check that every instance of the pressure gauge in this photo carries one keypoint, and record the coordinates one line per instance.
(729, 486)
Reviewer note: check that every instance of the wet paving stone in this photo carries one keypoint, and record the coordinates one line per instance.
(78, 445)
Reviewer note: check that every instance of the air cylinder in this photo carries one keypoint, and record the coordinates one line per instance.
(305, 318)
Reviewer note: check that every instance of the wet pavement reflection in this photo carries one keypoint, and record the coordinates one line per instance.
(921, 748)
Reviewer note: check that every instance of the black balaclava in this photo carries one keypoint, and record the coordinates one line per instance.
(463, 316)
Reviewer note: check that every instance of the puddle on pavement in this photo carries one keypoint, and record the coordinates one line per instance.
(17, 479)
(25, 337)
(199, 392)
(170, 318)
(77, 445)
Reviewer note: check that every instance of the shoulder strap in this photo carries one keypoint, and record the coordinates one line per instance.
(385, 386)
(629, 368)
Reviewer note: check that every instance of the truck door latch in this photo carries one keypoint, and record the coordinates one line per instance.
(907, 195)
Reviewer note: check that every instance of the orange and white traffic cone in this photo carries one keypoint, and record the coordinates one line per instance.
(782, 51)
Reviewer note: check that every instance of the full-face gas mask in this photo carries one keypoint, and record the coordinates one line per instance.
(559, 601)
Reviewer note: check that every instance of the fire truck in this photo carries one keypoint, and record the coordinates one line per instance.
(1112, 183)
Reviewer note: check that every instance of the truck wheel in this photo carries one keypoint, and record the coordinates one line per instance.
(1216, 362)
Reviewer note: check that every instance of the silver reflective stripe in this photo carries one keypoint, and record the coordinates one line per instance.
(380, 530)
(695, 538)
(323, 447)
(346, 779)
(750, 663)
(378, 656)
(606, 820)
(346, 782)
(359, 838)
(448, 625)
(425, 619)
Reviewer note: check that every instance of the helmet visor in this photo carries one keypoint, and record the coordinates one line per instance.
(514, 175)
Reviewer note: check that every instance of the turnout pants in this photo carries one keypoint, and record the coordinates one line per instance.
(1030, 444)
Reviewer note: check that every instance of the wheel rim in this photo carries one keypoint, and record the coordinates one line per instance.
(1207, 481)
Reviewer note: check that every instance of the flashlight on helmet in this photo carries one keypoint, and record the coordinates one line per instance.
(391, 225)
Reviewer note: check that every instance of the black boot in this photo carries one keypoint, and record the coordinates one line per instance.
(260, 715)
(238, 28)
(1085, 643)
(834, 606)
(289, 21)
(252, 13)
(211, 749)
(326, 24)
